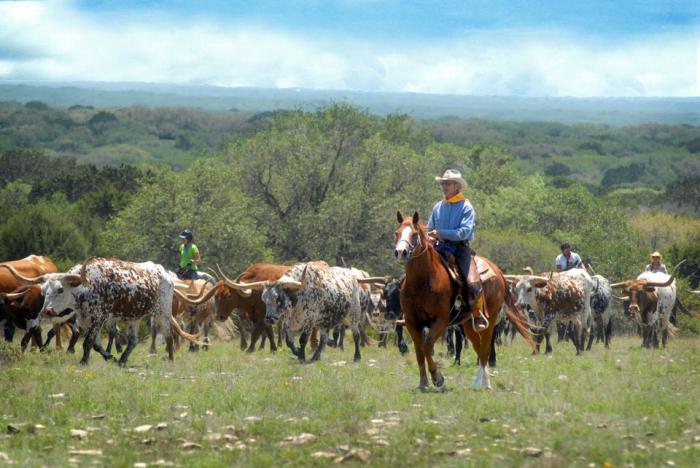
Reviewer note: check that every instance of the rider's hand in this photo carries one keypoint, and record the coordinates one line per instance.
(434, 234)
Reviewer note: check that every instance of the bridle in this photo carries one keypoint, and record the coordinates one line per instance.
(412, 246)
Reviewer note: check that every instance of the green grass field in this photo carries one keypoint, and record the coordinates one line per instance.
(619, 407)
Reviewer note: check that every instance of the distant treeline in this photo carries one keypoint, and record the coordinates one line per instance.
(295, 185)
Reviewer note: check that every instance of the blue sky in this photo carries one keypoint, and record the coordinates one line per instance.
(483, 47)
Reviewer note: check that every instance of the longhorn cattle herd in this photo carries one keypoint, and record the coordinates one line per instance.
(313, 298)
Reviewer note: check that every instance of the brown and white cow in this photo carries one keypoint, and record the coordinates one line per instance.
(651, 297)
(235, 295)
(564, 297)
(102, 290)
(33, 265)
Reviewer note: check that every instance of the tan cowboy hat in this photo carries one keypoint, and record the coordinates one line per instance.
(528, 270)
(453, 176)
(656, 254)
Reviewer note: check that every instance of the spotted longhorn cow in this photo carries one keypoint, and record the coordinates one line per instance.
(312, 295)
(102, 290)
(564, 297)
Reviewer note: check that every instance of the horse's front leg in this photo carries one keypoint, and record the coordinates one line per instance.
(417, 337)
(434, 333)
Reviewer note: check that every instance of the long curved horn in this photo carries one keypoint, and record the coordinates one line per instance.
(213, 272)
(373, 279)
(195, 301)
(513, 277)
(670, 279)
(23, 279)
(697, 293)
(618, 285)
(621, 298)
(244, 289)
(535, 277)
(14, 296)
(83, 278)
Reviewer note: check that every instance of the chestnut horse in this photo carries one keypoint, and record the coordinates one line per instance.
(427, 295)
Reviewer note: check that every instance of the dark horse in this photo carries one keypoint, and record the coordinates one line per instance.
(427, 295)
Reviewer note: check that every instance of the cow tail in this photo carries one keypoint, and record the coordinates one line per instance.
(191, 338)
(684, 309)
(516, 318)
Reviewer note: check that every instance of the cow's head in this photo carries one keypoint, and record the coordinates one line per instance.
(279, 296)
(10, 300)
(525, 289)
(59, 291)
(391, 296)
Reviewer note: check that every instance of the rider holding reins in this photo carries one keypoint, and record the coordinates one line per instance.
(452, 224)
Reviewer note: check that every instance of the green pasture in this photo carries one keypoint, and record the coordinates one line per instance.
(619, 407)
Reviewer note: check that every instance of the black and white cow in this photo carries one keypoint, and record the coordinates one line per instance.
(391, 303)
(311, 296)
(102, 290)
(601, 311)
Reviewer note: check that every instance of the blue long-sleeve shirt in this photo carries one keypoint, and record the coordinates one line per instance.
(454, 221)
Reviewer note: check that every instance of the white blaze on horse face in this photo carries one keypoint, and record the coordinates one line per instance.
(403, 246)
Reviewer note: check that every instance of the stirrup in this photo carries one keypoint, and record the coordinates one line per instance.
(484, 318)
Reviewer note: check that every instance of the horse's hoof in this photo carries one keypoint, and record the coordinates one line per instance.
(439, 381)
(422, 388)
(403, 349)
(357, 359)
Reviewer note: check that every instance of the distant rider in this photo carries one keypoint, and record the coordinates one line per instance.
(656, 266)
(189, 257)
(452, 224)
(568, 259)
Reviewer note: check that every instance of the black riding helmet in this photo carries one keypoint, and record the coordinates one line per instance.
(186, 234)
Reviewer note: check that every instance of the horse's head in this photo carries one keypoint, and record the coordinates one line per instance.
(410, 238)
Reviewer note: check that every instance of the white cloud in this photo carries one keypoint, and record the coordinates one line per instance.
(53, 41)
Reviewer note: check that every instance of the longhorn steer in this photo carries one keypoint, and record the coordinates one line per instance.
(107, 289)
(313, 295)
(601, 311)
(565, 297)
(651, 299)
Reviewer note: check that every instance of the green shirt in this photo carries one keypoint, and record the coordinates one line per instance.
(186, 256)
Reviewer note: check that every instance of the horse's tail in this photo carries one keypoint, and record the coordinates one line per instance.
(516, 317)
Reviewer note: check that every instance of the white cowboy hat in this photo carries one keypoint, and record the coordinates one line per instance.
(453, 176)
(656, 254)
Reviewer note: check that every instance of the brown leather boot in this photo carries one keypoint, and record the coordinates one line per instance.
(480, 321)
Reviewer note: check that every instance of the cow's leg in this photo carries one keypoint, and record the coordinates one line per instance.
(417, 337)
(257, 330)
(73, 340)
(111, 335)
(459, 343)
(279, 335)
(57, 330)
(356, 338)
(205, 346)
(132, 339)
(321, 344)
(590, 340)
(192, 329)
(608, 333)
(154, 334)
(341, 336)
(403, 347)
(271, 336)
(49, 337)
(303, 339)
(90, 340)
(290, 343)
(263, 339)
(8, 330)
(450, 342)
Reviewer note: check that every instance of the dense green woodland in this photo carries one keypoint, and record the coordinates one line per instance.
(295, 185)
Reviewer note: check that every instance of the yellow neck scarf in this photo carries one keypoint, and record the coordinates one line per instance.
(456, 199)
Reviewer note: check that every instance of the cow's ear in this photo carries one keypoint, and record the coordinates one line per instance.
(649, 288)
(415, 217)
(399, 217)
(72, 282)
(539, 283)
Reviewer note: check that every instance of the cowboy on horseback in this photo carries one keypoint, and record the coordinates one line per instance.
(451, 227)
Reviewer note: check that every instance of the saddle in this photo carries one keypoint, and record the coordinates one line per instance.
(478, 266)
